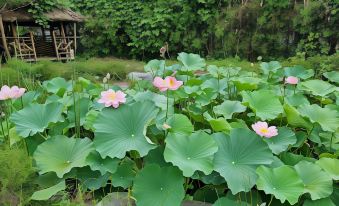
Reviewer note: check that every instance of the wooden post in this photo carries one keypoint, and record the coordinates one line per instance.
(55, 45)
(75, 37)
(16, 41)
(33, 45)
(3, 37)
(63, 32)
(43, 33)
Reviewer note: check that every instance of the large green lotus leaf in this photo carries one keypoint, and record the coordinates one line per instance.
(47, 193)
(282, 182)
(293, 159)
(158, 99)
(36, 117)
(215, 85)
(231, 71)
(90, 118)
(108, 164)
(156, 185)
(213, 179)
(218, 125)
(321, 202)
(191, 62)
(215, 71)
(294, 118)
(156, 67)
(192, 90)
(238, 157)
(298, 71)
(208, 193)
(238, 200)
(156, 156)
(228, 108)
(246, 83)
(331, 166)
(281, 142)
(57, 85)
(264, 103)
(118, 131)
(317, 87)
(327, 118)
(333, 76)
(272, 66)
(26, 99)
(124, 174)
(60, 154)
(191, 152)
(206, 97)
(316, 182)
(90, 179)
(296, 100)
(180, 124)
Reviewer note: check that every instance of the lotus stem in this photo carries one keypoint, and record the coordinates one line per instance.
(270, 201)
(166, 105)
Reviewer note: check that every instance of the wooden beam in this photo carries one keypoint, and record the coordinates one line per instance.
(16, 40)
(75, 37)
(55, 45)
(33, 45)
(62, 30)
(3, 37)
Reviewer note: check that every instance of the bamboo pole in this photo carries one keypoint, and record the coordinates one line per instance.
(3, 37)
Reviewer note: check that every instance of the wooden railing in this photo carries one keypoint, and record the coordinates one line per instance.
(24, 47)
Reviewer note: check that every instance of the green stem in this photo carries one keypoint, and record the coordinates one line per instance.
(270, 200)
(166, 105)
(26, 147)
(22, 103)
(331, 141)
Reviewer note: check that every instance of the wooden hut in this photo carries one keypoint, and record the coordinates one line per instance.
(23, 38)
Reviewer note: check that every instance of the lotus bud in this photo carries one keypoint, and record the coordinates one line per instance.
(166, 126)
(3, 114)
(105, 80)
(108, 76)
(252, 65)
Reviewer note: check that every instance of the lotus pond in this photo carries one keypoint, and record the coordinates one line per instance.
(219, 135)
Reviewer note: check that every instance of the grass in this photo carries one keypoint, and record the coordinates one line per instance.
(95, 69)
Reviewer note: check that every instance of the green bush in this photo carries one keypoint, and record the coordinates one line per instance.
(217, 29)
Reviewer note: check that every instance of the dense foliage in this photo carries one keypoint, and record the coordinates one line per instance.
(203, 136)
(37, 7)
(216, 28)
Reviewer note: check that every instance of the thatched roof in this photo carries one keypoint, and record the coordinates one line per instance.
(56, 15)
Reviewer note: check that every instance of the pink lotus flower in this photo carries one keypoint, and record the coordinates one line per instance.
(160, 83)
(112, 98)
(169, 82)
(14, 92)
(262, 129)
(291, 80)
(173, 83)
